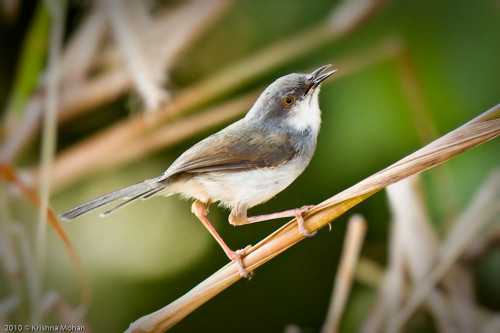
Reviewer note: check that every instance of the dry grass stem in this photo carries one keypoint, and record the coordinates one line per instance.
(8, 305)
(413, 249)
(131, 23)
(391, 287)
(493, 326)
(480, 129)
(18, 135)
(185, 23)
(482, 245)
(275, 56)
(69, 166)
(484, 208)
(115, 146)
(351, 13)
(57, 10)
(180, 27)
(425, 127)
(371, 274)
(187, 127)
(356, 230)
(412, 89)
(29, 268)
(7, 252)
(29, 194)
(53, 302)
(82, 48)
(415, 236)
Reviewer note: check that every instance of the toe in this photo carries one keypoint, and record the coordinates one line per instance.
(305, 233)
(236, 257)
(244, 251)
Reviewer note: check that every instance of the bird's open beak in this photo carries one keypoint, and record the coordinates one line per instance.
(315, 78)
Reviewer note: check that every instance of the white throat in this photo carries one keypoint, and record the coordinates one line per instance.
(306, 114)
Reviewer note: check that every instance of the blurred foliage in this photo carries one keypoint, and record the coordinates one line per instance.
(150, 253)
(31, 60)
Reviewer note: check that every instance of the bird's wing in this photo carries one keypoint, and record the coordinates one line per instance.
(235, 151)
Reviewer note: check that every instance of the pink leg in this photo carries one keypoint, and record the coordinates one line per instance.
(200, 210)
(297, 213)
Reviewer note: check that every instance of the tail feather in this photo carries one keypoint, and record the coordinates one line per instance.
(126, 202)
(152, 193)
(133, 192)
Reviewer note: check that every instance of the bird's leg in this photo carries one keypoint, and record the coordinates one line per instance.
(240, 218)
(200, 209)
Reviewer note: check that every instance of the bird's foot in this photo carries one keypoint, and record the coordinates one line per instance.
(236, 257)
(300, 220)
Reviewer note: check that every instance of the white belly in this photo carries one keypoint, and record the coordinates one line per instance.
(249, 187)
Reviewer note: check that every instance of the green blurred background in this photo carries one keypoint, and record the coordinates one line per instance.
(150, 253)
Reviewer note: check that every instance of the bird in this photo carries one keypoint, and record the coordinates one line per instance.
(243, 165)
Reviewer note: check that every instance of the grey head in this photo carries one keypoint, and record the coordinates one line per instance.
(291, 102)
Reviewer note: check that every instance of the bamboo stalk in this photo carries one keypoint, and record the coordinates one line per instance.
(481, 129)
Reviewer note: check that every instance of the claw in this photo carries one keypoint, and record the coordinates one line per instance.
(236, 257)
(300, 220)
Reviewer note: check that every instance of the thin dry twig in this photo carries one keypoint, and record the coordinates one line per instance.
(356, 230)
(482, 128)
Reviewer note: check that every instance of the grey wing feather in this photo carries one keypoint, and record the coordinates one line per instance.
(234, 151)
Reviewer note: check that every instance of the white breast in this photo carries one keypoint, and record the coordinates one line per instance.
(249, 188)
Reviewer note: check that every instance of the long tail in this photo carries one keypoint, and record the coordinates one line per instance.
(142, 190)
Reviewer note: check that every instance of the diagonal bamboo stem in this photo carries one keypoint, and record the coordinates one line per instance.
(481, 129)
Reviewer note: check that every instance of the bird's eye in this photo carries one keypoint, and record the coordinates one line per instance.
(288, 100)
